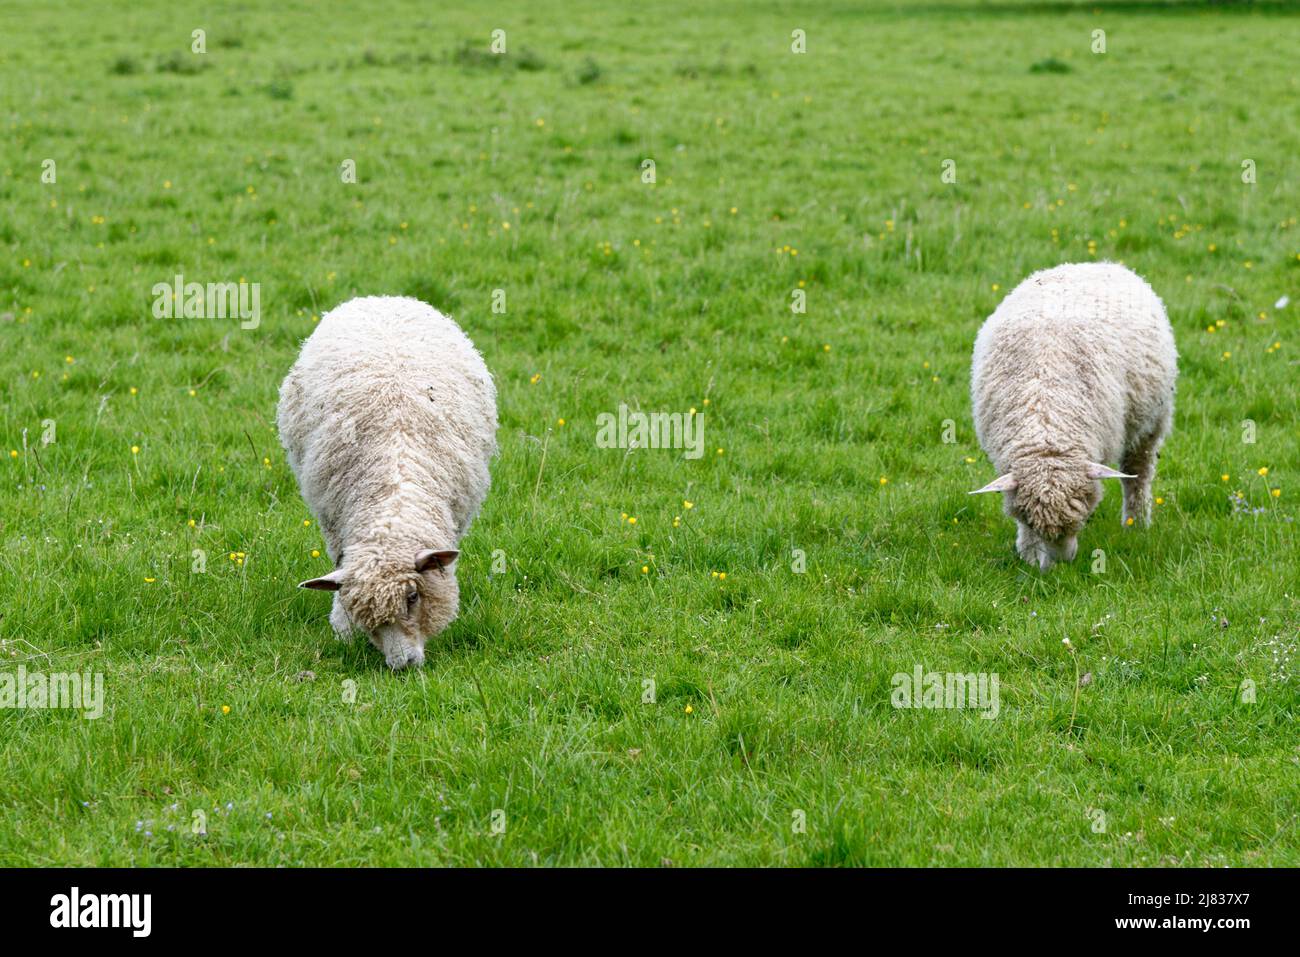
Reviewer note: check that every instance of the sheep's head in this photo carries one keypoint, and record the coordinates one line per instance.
(1052, 501)
(398, 604)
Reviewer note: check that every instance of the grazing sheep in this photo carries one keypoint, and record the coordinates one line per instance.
(389, 421)
(1075, 369)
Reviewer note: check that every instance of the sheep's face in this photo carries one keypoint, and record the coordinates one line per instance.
(398, 605)
(1056, 504)
(1037, 550)
(1051, 500)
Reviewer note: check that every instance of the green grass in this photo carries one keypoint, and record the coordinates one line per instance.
(772, 687)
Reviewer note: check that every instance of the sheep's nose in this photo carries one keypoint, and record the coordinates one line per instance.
(400, 658)
(398, 651)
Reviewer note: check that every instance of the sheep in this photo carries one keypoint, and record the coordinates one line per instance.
(1074, 370)
(388, 420)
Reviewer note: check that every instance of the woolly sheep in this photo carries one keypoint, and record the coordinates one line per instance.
(389, 420)
(1074, 370)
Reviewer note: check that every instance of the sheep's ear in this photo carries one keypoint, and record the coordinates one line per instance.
(1096, 471)
(330, 582)
(429, 558)
(1003, 483)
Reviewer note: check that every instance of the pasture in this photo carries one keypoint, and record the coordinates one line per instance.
(660, 659)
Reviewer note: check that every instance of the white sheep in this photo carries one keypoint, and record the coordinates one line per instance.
(1073, 371)
(389, 420)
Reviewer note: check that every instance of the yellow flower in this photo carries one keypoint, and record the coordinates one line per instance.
(719, 451)
(192, 523)
(1264, 470)
(1276, 493)
(1223, 477)
(689, 709)
(883, 480)
(135, 450)
(722, 576)
(1128, 521)
(134, 390)
(315, 553)
(192, 392)
(536, 378)
(225, 709)
(150, 580)
(686, 504)
(631, 520)
(69, 360)
(13, 453)
(645, 569)
(1160, 501)
(560, 423)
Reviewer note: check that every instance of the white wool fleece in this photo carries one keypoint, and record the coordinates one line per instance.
(1072, 373)
(389, 420)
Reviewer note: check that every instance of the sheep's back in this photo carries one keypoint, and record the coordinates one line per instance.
(1079, 351)
(389, 400)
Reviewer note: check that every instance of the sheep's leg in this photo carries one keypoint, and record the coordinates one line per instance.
(339, 620)
(1140, 461)
(1031, 547)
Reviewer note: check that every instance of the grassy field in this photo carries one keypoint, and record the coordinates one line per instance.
(828, 542)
